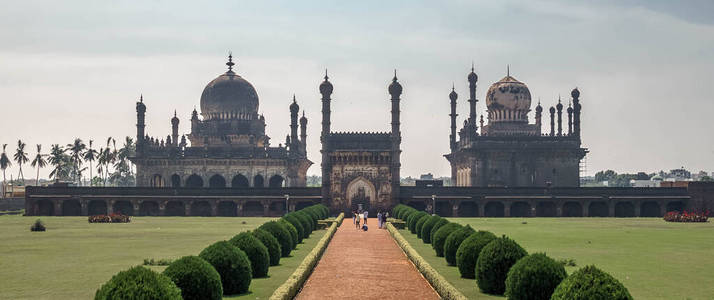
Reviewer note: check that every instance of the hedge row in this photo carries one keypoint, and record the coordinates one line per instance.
(290, 288)
(499, 265)
(225, 267)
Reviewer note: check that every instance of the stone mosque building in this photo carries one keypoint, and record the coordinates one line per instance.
(502, 164)
(509, 151)
(228, 145)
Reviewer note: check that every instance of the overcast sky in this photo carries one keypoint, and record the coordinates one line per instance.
(645, 69)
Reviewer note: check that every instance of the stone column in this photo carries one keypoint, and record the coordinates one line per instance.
(559, 208)
(110, 207)
(663, 207)
(586, 208)
(266, 208)
(455, 204)
(239, 208)
(85, 209)
(533, 204)
(135, 204)
(610, 208)
(637, 208)
(214, 208)
(162, 208)
(506, 208)
(58, 208)
(187, 208)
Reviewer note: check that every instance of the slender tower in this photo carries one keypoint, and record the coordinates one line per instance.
(538, 117)
(395, 90)
(559, 107)
(325, 91)
(294, 109)
(576, 111)
(570, 119)
(452, 138)
(174, 130)
(140, 125)
(473, 78)
(552, 121)
(303, 133)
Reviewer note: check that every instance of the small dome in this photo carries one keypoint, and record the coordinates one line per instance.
(472, 76)
(508, 93)
(294, 107)
(575, 93)
(395, 88)
(228, 94)
(453, 95)
(326, 86)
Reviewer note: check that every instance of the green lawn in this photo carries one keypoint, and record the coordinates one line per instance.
(652, 258)
(73, 258)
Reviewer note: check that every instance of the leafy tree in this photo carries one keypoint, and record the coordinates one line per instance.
(90, 155)
(60, 161)
(21, 158)
(76, 150)
(38, 163)
(605, 175)
(706, 178)
(4, 164)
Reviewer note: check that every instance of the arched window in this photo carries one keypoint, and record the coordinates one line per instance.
(194, 181)
(239, 181)
(275, 181)
(157, 181)
(258, 181)
(217, 181)
(175, 181)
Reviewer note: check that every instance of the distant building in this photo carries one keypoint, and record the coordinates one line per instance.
(508, 151)
(644, 183)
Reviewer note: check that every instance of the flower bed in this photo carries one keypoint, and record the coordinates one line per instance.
(111, 218)
(675, 216)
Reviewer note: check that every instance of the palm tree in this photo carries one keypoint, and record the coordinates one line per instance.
(56, 159)
(77, 149)
(4, 164)
(90, 156)
(21, 158)
(103, 160)
(38, 162)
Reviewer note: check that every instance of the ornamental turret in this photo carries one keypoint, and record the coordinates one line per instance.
(303, 132)
(140, 119)
(452, 138)
(473, 78)
(559, 107)
(174, 130)
(294, 109)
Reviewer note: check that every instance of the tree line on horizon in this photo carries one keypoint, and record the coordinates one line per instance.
(67, 162)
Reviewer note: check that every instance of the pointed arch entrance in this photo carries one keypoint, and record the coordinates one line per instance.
(361, 193)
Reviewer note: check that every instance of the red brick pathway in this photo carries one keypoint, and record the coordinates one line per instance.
(365, 265)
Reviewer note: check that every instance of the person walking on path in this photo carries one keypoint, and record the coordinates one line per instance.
(365, 216)
(379, 219)
(357, 217)
(354, 216)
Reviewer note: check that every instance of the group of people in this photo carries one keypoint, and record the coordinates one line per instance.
(359, 216)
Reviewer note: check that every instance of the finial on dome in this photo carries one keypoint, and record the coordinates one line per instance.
(395, 75)
(453, 87)
(230, 63)
(174, 113)
(326, 78)
(294, 98)
(472, 66)
(508, 70)
(141, 98)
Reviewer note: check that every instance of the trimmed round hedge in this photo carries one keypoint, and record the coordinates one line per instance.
(419, 223)
(412, 220)
(196, 278)
(436, 227)
(426, 228)
(281, 234)
(493, 264)
(467, 254)
(314, 217)
(232, 264)
(440, 237)
(590, 283)
(453, 241)
(291, 229)
(138, 283)
(298, 226)
(270, 242)
(534, 277)
(404, 215)
(256, 251)
(306, 222)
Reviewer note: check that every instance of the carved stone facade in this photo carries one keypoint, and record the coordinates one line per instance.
(509, 151)
(360, 170)
(229, 148)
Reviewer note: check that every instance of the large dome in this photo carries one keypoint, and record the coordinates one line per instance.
(228, 95)
(510, 94)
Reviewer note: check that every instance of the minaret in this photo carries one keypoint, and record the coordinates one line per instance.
(570, 119)
(472, 77)
(325, 91)
(140, 118)
(174, 130)
(538, 117)
(552, 121)
(559, 107)
(576, 111)
(303, 132)
(294, 109)
(452, 138)
(395, 90)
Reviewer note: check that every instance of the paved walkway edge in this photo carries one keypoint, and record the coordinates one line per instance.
(438, 282)
(290, 288)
